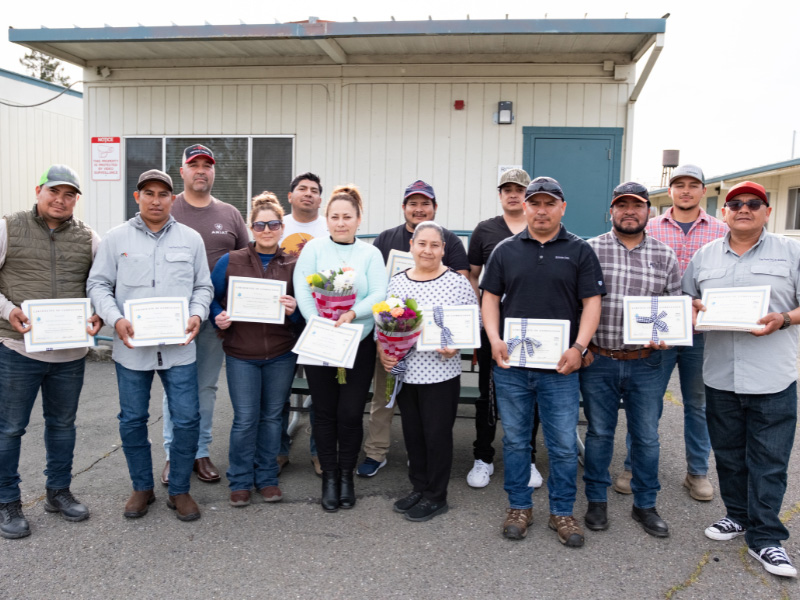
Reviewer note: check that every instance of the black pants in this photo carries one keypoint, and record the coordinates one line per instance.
(339, 408)
(428, 413)
(485, 420)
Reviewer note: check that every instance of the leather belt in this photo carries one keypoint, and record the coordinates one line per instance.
(621, 354)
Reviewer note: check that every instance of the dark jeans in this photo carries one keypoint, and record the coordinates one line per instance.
(485, 421)
(20, 380)
(752, 437)
(428, 413)
(339, 408)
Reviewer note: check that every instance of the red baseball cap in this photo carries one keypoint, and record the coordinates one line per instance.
(748, 187)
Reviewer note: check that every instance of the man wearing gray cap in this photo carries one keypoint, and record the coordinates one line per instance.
(45, 253)
(154, 256)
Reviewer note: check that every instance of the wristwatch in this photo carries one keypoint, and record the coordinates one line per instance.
(582, 349)
(787, 321)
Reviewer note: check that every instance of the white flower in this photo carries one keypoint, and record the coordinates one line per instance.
(394, 302)
(344, 281)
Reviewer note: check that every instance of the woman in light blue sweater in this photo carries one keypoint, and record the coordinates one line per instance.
(338, 408)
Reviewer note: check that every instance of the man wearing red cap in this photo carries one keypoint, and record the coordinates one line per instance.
(751, 378)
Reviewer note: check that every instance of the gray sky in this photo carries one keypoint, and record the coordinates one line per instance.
(725, 91)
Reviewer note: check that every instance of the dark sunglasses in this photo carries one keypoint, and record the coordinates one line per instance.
(259, 226)
(753, 205)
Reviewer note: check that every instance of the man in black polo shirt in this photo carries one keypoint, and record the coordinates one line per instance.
(419, 204)
(544, 272)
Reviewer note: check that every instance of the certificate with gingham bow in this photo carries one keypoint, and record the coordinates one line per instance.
(535, 343)
(449, 327)
(657, 319)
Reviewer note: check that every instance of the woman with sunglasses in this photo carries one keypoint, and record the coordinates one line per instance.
(339, 408)
(259, 359)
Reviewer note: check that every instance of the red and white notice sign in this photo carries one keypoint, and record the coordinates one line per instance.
(106, 160)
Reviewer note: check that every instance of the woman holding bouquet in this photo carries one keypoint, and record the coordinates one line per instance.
(428, 399)
(339, 407)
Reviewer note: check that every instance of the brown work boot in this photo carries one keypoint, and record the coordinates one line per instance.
(240, 498)
(137, 504)
(569, 532)
(517, 523)
(622, 484)
(206, 471)
(271, 493)
(185, 507)
(699, 487)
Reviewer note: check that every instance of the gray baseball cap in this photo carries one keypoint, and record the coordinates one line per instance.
(518, 176)
(60, 175)
(154, 175)
(692, 171)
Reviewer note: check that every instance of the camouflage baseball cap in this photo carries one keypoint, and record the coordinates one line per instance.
(518, 176)
(60, 175)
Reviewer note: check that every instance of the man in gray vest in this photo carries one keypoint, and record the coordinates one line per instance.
(45, 253)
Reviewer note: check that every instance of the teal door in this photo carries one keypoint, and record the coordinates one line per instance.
(586, 162)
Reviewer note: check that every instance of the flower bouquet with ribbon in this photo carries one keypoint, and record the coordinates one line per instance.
(334, 294)
(398, 324)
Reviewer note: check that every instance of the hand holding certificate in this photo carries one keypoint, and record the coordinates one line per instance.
(58, 324)
(657, 319)
(733, 309)
(449, 327)
(325, 344)
(157, 322)
(536, 343)
(256, 300)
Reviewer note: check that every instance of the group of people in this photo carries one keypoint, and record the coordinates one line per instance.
(739, 389)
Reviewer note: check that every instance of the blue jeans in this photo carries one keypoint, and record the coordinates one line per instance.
(752, 436)
(209, 364)
(20, 380)
(180, 384)
(518, 391)
(641, 384)
(258, 390)
(695, 432)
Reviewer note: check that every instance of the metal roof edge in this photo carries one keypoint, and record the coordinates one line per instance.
(795, 162)
(39, 82)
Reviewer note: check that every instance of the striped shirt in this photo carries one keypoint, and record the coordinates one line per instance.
(704, 230)
(649, 269)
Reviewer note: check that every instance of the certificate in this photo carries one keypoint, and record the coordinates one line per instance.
(158, 321)
(329, 345)
(462, 324)
(657, 319)
(256, 300)
(57, 324)
(398, 261)
(543, 341)
(733, 309)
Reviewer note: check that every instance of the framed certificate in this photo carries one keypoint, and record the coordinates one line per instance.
(256, 300)
(657, 319)
(547, 338)
(329, 345)
(733, 309)
(462, 321)
(398, 261)
(57, 324)
(158, 321)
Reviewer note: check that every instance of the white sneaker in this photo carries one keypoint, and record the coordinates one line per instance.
(536, 478)
(479, 476)
(774, 560)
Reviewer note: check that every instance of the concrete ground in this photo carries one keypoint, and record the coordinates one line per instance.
(295, 550)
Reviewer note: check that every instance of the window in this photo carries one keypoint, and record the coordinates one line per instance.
(793, 209)
(245, 166)
(711, 205)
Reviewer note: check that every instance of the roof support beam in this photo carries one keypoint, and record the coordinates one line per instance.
(651, 61)
(333, 49)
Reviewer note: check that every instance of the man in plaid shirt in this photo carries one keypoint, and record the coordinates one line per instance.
(633, 264)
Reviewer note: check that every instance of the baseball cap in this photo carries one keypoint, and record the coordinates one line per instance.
(517, 176)
(544, 185)
(692, 171)
(154, 175)
(632, 189)
(60, 175)
(195, 151)
(748, 187)
(419, 187)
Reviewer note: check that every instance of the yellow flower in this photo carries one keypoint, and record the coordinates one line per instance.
(309, 278)
(380, 307)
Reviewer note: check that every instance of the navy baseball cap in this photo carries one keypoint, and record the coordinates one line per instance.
(632, 189)
(60, 175)
(419, 187)
(544, 185)
(196, 151)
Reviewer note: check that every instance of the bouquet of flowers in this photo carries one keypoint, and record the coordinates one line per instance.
(398, 324)
(334, 294)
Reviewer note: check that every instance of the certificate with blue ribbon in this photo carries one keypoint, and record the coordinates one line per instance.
(657, 319)
(536, 343)
(449, 327)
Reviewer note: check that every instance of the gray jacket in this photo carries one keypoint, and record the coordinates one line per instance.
(133, 262)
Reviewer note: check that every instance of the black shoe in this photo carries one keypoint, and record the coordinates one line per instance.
(404, 504)
(330, 490)
(596, 517)
(425, 510)
(651, 522)
(13, 523)
(64, 502)
(347, 490)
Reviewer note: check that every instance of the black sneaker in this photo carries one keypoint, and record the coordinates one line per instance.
(650, 520)
(62, 501)
(13, 523)
(724, 530)
(404, 504)
(596, 517)
(774, 560)
(425, 510)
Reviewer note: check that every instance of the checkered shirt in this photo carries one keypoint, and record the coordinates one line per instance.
(649, 269)
(704, 230)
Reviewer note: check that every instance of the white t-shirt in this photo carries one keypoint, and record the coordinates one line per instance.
(296, 234)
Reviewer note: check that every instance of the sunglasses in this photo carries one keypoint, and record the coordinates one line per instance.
(259, 226)
(753, 205)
